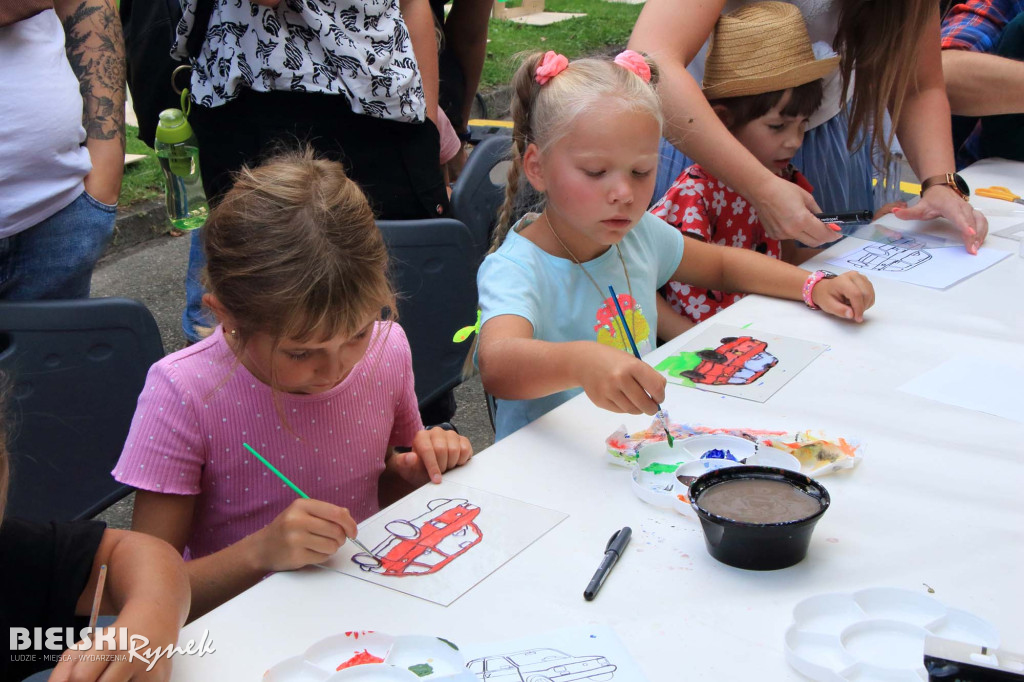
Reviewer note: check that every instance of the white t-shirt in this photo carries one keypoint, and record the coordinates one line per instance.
(42, 157)
(562, 304)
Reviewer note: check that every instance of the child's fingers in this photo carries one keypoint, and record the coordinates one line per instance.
(465, 450)
(332, 513)
(636, 400)
(424, 449)
(446, 448)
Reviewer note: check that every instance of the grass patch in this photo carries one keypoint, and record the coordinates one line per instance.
(143, 179)
(606, 24)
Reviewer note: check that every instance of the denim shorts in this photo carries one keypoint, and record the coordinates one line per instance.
(55, 258)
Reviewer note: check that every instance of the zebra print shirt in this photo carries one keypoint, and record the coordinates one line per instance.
(356, 48)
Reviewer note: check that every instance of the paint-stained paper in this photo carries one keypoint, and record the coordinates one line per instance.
(742, 362)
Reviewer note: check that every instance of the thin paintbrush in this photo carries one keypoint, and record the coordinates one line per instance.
(298, 492)
(636, 352)
(97, 599)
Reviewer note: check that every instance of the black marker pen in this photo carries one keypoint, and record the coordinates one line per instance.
(616, 546)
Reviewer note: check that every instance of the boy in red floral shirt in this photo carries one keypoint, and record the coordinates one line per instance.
(765, 94)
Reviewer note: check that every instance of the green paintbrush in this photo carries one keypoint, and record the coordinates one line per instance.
(298, 491)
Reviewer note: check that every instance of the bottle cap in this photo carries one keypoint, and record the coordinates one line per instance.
(173, 127)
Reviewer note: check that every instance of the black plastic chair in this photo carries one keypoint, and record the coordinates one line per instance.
(75, 369)
(480, 190)
(433, 266)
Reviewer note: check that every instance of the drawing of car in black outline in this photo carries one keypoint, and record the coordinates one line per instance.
(427, 543)
(542, 665)
(894, 257)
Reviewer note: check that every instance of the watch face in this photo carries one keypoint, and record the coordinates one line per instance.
(961, 185)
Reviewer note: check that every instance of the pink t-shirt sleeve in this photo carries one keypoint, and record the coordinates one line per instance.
(407, 412)
(450, 142)
(164, 452)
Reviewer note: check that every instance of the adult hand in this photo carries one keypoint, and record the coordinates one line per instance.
(846, 296)
(786, 212)
(434, 451)
(307, 532)
(617, 381)
(942, 201)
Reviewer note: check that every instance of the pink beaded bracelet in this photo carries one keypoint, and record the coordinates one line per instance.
(809, 285)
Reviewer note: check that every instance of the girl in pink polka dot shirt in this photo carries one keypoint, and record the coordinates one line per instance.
(302, 368)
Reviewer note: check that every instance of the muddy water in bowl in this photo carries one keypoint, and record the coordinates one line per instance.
(756, 517)
(759, 500)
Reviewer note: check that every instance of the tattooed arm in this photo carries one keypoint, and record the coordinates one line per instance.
(95, 49)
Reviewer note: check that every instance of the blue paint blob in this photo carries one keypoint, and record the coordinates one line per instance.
(718, 454)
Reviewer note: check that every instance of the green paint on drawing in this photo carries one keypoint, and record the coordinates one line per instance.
(448, 643)
(422, 669)
(676, 364)
(661, 468)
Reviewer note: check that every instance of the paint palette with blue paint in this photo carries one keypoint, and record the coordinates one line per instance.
(662, 475)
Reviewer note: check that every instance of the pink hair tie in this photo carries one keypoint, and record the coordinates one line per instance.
(635, 62)
(550, 66)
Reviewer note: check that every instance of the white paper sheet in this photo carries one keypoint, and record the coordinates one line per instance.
(976, 383)
(441, 540)
(934, 268)
(581, 653)
(754, 369)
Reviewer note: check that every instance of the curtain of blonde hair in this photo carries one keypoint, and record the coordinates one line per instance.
(878, 41)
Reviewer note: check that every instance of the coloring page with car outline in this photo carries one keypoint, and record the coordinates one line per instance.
(441, 540)
(933, 268)
(741, 362)
(582, 654)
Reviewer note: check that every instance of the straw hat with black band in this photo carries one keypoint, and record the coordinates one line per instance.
(761, 47)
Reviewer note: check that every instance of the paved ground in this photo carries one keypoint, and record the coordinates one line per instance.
(154, 274)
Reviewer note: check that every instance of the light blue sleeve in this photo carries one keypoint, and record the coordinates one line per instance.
(667, 245)
(506, 287)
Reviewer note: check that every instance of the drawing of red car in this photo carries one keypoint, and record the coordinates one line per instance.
(737, 361)
(427, 543)
(541, 665)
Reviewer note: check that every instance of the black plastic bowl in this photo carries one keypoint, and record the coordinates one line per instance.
(757, 546)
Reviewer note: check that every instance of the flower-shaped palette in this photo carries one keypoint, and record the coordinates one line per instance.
(875, 635)
(365, 656)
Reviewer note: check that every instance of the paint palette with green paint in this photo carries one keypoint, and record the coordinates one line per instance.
(662, 475)
(366, 656)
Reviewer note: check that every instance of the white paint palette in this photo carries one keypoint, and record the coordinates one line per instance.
(875, 635)
(374, 656)
(655, 476)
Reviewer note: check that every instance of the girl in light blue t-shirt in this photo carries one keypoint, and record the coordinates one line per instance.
(586, 136)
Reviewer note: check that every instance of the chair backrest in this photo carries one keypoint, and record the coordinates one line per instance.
(76, 369)
(433, 265)
(480, 189)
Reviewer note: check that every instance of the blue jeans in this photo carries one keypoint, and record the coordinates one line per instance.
(55, 258)
(195, 315)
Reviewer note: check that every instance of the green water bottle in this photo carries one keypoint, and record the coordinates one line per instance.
(178, 151)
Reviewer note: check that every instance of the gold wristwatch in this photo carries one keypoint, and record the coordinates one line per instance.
(951, 180)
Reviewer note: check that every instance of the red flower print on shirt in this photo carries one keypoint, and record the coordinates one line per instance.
(706, 208)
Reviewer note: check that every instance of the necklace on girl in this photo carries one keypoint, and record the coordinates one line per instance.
(625, 271)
